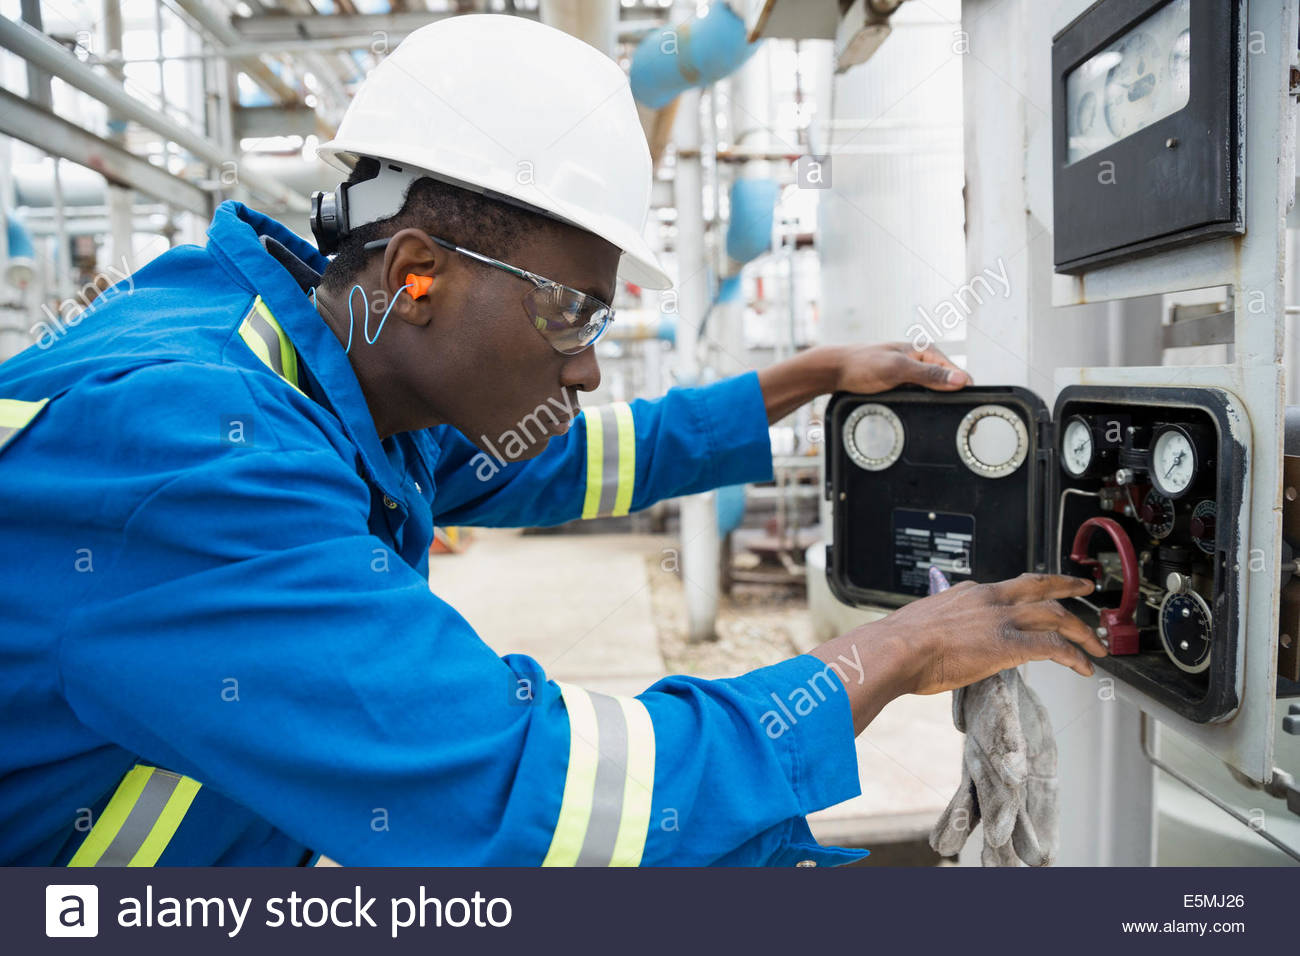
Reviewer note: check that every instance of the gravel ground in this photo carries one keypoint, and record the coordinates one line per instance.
(755, 626)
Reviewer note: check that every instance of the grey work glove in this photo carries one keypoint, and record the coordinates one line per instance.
(1009, 775)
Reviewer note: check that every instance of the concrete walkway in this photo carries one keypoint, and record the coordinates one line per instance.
(580, 605)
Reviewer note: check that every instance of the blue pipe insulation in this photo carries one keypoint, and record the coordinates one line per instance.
(730, 290)
(673, 59)
(753, 205)
(20, 240)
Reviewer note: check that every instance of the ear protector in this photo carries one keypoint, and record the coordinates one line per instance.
(334, 215)
(419, 285)
(329, 219)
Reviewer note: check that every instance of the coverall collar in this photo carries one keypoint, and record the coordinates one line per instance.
(235, 237)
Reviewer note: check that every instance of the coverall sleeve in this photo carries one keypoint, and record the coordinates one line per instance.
(247, 631)
(613, 460)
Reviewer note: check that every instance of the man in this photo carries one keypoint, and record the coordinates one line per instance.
(217, 493)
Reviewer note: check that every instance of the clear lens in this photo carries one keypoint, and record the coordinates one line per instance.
(570, 320)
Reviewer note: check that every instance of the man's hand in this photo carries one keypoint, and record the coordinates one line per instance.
(853, 368)
(961, 635)
(878, 368)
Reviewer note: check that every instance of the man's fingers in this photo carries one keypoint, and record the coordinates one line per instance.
(918, 369)
(930, 354)
(1031, 588)
(1051, 616)
(1050, 646)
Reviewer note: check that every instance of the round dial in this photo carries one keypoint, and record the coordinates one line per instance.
(1131, 83)
(1076, 447)
(1202, 525)
(992, 441)
(1173, 462)
(1186, 627)
(873, 437)
(1157, 514)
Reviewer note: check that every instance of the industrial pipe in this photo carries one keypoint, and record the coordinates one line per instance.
(40, 50)
(698, 53)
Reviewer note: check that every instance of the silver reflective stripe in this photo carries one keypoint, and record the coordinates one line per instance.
(611, 777)
(609, 462)
(269, 338)
(140, 821)
(604, 817)
(6, 434)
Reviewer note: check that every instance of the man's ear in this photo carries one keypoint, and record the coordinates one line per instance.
(412, 267)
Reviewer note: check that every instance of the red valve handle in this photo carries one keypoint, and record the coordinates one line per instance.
(1122, 633)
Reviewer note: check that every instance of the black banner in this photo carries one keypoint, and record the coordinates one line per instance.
(799, 910)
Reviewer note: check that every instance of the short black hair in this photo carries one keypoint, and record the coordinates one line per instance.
(462, 216)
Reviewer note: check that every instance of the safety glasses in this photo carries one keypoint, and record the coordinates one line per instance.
(568, 319)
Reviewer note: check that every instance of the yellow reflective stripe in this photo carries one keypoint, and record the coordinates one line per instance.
(635, 823)
(611, 461)
(140, 820)
(17, 414)
(288, 355)
(579, 781)
(268, 341)
(114, 815)
(626, 458)
(595, 457)
(169, 821)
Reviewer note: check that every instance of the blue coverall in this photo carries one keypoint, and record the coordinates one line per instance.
(218, 641)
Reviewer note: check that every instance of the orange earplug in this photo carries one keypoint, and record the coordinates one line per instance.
(419, 285)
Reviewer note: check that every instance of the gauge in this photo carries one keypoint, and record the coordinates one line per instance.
(1157, 514)
(1173, 461)
(1202, 525)
(873, 437)
(1140, 78)
(1131, 85)
(1076, 446)
(1186, 627)
(992, 441)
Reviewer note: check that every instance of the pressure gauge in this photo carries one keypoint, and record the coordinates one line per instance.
(1186, 627)
(1076, 447)
(992, 441)
(1157, 514)
(873, 437)
(1202, 524)
(1174, 461)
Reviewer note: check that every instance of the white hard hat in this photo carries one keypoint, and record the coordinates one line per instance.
(509, 107)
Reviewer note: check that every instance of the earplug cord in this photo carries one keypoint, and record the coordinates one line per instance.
(352, 319)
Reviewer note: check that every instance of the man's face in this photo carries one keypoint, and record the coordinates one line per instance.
(513, 391)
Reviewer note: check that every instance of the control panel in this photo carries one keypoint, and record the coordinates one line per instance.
(1125, 486)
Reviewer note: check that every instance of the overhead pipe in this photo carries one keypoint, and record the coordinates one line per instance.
(695, 53)
(22, 120)
(37, 48)
(219, 29)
